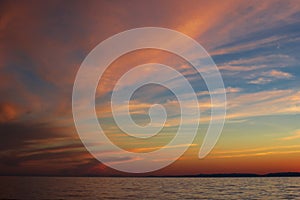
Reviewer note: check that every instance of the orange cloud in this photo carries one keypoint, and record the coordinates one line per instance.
(8, 112)
(295, 135)
(278, 74)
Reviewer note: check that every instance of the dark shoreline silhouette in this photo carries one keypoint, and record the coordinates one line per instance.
(229, 175)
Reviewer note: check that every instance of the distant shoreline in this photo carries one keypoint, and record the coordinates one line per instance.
(229, 175)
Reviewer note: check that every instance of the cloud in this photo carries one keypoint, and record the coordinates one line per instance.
(261, 80)
(258, 63)
(259, 154)
(278, 74)
(227, 90)
(270, 76)
(8, 112)
(248, 45)
(254, 152)
(239, 105)
(262, 103)
(273, 102)
(149, 149)
(295, 135)
(29, 141)
(15, 134)
(31, 146)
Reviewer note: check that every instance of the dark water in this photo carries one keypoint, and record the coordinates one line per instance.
(149, 188)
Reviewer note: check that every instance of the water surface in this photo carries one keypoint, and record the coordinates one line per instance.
(149, 188)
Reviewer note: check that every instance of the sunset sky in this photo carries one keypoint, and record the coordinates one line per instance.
(255, 45)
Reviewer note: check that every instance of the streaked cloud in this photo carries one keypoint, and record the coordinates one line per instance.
(274, 102)
(269, 76)
(264, 151)
(261, 80)
(278, 74)
(293, 136)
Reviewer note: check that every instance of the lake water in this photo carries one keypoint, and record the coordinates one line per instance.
(149, 188)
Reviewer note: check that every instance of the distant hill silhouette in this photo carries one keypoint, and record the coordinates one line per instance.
(231, 175)
(283, 174)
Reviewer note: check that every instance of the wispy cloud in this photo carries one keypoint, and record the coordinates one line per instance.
(295, 135)
(273, 102)
(263, 151)
(248, 45)
(259, 62)
(261, 80)
(270, 76)
(227, 90)
(278, 74)
(143, 149)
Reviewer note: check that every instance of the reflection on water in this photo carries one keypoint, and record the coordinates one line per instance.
(149, 188)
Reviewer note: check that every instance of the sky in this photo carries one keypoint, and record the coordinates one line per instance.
(255, 45)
